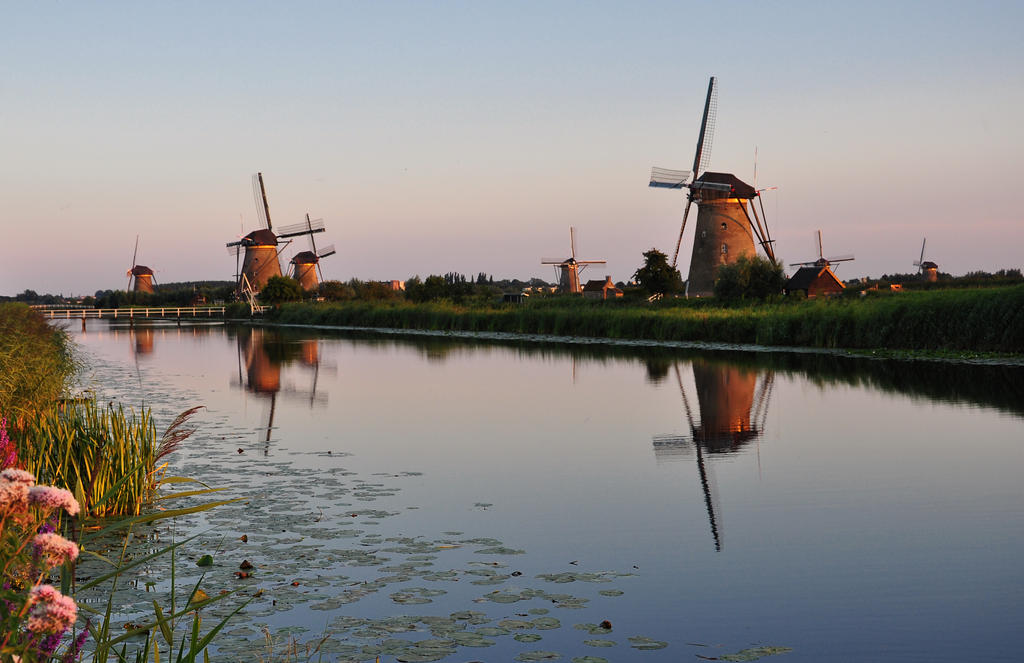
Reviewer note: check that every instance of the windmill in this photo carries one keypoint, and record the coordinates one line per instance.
(733, 407)
(306, 264)
(260, 246)
(929, 269)
(143, 275)
(725, 229)
(816, 276)
(569, 269)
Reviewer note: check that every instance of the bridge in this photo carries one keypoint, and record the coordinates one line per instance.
(136, 312)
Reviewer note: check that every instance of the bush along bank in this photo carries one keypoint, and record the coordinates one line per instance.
(970, 320)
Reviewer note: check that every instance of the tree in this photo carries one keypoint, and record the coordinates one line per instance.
(335, 291)
(750, 277)
(281, 289)
(657, 276)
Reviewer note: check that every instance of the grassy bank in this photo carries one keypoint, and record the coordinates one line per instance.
(971, 320)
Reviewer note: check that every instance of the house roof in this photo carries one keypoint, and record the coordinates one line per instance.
(806, 276)
(595, 284)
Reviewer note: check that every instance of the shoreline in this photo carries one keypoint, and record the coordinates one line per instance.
(965, 357)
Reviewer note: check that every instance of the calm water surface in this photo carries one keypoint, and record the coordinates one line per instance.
(708, 502)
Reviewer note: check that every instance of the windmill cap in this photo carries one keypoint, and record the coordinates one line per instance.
(928, 264)
(141, 270)
(305, 258)
(740, 189)
(262, 237)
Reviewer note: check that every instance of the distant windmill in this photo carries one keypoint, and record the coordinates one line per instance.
(725, 230)
(306, 264)
(816, 277)
(569, 269)
(143, 275)
(929, 269)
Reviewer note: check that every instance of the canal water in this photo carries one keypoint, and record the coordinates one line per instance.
(436, 498)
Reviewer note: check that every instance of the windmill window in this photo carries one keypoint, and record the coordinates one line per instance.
(723, 225)
(703, 234)
(725, 248)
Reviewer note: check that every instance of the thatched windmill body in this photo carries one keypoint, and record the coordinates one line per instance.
(927, 268)
(140, 277)
(306, 264)
(725, 229)
(569, 269)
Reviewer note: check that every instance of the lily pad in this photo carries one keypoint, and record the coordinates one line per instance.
(526, 637)
(755, 653)
(589, 659)
(597, 642)
(205, 560)
(538, 656)
(643, 643)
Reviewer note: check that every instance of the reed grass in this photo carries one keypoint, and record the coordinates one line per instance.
(109, 458)
(976, 320)
(37, 363)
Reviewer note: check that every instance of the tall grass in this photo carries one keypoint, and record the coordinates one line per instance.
(36, 363)
(985, 320)
(99, 451)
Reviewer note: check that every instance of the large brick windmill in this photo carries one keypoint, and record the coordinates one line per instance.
(725, 229)
(260, 247)
(569, 269)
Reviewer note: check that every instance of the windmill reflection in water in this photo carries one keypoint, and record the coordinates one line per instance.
(732, 405)
(261, 356)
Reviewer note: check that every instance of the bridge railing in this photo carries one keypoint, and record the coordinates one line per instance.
(136, 312)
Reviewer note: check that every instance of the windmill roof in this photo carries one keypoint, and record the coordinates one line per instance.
(805, 276)
(261, 237)
(740, 189)
(928, 264)
(141, 270)
(305, 258)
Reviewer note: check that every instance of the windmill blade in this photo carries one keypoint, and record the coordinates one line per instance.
(572, 241)
(234, 248)
(666, 178)
(920, 261)
(262, 207)
(301, 228)
(702, 157)
(326, 251)
(591, 262)
(135, 255)
(682, 229)
(820, 253)
(842, 258)
(554, 261)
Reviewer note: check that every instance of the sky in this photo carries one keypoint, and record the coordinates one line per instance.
(469, 136)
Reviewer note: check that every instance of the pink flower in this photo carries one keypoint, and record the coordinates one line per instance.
(48, 497)
(54, 549)
(13, 497)
(11, 475)
(50, 611)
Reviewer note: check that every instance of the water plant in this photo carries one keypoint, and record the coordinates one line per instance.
(36, 362)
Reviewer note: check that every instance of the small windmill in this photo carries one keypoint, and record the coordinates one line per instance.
(260, 246)
(816, 276)
(569, 269)
(143, 275)
(306, 264)
(929, 269)
(725, 230)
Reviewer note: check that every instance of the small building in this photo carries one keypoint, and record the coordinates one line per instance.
(814, 281)
(598, 289)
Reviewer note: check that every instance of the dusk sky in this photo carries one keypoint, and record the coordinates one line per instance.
(469, 136)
